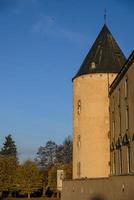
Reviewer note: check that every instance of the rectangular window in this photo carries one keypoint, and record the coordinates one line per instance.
(120, 121)
(113, 125)
(78, 141)
(127, 118)
(79, 107)
(128, 158)
(113, 129)
(126, 87)
(113, 105)
(120, 161)
(119, 97)
(119, 108)
(111, 164)
(114, 163)
(78, 169)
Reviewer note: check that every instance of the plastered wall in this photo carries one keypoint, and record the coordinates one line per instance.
(122, 156)
(113, 188)
(91, 149)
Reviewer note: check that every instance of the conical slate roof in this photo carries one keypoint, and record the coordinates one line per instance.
(105, 56)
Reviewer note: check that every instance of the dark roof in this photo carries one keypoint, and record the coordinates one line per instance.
(122, 72)
(105, 56)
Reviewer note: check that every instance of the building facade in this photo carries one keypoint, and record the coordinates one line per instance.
(91, 155)
(103, 127)
(121, 120)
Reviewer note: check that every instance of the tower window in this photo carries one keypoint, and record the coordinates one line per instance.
(78, 169)
(78, 141)
(79, 107)
(93, 65)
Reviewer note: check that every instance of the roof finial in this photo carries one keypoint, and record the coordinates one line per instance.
(105, 16)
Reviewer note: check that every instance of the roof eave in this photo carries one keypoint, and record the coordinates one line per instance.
(122, 72)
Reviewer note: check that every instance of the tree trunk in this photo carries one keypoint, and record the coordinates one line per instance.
(44, 192)
(28, 195)
(10, 194)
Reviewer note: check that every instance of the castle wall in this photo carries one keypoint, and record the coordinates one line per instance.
(91, 125)
(122, 125)
(113, 188)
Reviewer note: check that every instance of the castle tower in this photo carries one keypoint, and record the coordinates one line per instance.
(91, 154)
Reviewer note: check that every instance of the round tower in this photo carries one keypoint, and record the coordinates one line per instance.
(91, 151)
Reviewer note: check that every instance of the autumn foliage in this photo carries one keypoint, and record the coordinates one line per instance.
(30, 177)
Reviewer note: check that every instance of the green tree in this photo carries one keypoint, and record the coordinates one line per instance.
(52, 157)
(67, 170)
(8, 164)
(52, 175)
(64, 151)
(8, 168)
(52, 178)
(60, 154)
(29, 178)
(67, 152)
(47, 154)
(9, 147)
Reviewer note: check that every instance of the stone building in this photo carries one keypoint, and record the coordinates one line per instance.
(121, 120)
(91, 155)
(103, 127)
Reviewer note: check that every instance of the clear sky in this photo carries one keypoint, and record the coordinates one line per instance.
(42, 44)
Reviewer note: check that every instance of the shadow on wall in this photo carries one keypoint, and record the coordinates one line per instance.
(97, 197)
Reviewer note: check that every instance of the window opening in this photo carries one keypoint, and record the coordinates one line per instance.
(79, 107)
(126, 87)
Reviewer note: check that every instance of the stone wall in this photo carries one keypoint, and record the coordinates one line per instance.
(91, 125)
(122, 125)
(113, 188)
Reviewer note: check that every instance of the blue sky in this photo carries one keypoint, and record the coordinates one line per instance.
(42, 44)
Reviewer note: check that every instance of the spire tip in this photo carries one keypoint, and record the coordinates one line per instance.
(105, 16)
